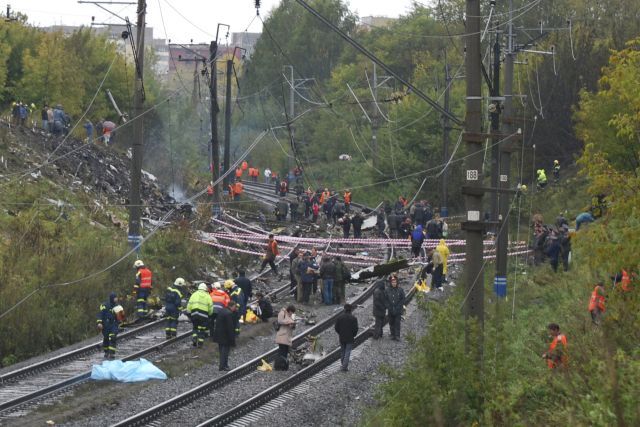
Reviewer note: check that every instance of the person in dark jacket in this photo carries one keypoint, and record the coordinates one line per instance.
(265, 309)
(244, 283)
(347, 329)
(107, 323)
(356, 221)
(307, 269)
(172, 302)
(225, 334)
(328, 275)
(417, 238)
(346, 226)
(343, 275)
(379, 308)
(394, 303)
(380, 222)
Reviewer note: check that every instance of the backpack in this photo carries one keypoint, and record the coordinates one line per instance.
(276, 325)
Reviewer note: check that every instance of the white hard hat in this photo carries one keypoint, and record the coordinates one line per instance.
(138, 263)
(202, 287)
(179, 282)
(217, 285)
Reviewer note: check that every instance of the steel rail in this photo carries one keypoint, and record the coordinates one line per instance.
(239, 372)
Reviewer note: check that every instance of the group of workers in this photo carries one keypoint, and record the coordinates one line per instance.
(541, 175)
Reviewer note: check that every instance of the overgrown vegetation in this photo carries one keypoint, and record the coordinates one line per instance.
(602, 382)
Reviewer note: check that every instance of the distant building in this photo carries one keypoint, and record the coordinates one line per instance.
(368, 22)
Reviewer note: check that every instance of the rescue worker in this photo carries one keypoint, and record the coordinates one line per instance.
(556, 171)
(625, 281)
(237, 190)
(238, 173)
(437, 268)
(244, 283)
(444, 253)
(220, 300)
(200, 308)
(236, 295)
(357, 220)
(245, 165)
(596, 303)
(271, 252)
(347, 200)
(541, 179)
(224, 335)
(142, 288)
(556, 356)
(394, 303)
(107, 323)
(172, 302)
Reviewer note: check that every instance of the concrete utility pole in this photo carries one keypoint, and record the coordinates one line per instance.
(134, 236)
(495, 129)
(446, 128)
(374, 119)
(505, 155)
(215, 142)
(227, 123)
(473, 191)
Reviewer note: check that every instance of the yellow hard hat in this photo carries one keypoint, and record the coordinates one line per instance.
(228, 284)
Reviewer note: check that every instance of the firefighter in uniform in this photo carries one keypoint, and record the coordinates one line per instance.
(173, 301)
(142, 288)
(235, 294)
(107, 323)
(200, 308)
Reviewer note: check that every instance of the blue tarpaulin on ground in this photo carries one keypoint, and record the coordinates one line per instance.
(127, 372)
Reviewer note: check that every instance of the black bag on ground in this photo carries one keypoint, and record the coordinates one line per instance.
(280, 363)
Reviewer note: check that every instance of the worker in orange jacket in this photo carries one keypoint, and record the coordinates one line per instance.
(347, 200)
(625, 281)
(556, 356)
(142, 288)
(237, 190)
(271, 252)
(239, 172)
(245, 165)
(596, 303)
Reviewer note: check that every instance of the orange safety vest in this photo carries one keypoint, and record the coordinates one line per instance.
(245, 165)
(347, 197)
(237, 190)
(219, 297)
(238, 173)
(625, 282)
(551, 363)
(256, 172)
(325, 196)
(145, 278)
(596, 300)
(210, 190)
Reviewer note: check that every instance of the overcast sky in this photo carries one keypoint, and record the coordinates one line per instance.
(199, 17)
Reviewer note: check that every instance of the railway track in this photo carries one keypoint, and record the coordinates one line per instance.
(154, 415)
(250, 411)
(23, 389)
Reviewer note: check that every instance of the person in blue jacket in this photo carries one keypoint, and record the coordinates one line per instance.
(172, 303)
(107, 323)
